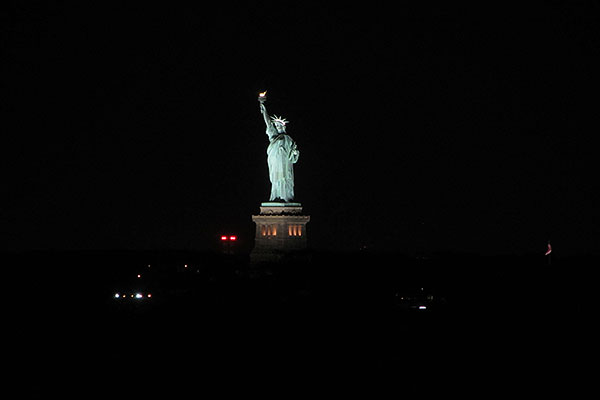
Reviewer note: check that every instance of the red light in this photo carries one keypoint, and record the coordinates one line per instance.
(223, 237)
(232, 237)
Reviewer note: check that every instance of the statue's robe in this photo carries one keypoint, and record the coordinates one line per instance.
(282, 154)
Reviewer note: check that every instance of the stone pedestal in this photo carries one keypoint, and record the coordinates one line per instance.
(280, 230)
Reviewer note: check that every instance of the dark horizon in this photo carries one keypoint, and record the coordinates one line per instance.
(420, 129)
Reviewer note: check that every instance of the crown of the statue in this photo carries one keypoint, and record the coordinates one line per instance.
(281, 120)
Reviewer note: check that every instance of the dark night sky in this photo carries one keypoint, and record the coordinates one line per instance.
(419, 129)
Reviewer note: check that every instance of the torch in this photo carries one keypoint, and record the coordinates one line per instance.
(262, 97)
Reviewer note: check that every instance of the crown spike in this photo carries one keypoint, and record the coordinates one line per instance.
(279, 119)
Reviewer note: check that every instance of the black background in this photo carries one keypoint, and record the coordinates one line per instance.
(420, 129)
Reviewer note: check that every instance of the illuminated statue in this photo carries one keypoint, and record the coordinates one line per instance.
(282, 153)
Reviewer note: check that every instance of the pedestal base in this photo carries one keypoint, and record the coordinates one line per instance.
(280, 230)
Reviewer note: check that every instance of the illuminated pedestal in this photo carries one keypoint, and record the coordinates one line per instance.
(280, 230)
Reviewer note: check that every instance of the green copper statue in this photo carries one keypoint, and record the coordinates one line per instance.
(282, 153)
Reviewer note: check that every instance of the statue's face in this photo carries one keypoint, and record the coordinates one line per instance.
(280, 127)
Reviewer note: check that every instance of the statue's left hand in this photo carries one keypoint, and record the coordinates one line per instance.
(294, 154)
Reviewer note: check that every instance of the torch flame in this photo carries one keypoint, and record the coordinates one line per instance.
(263, 94)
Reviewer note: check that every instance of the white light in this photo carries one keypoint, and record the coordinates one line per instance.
(138, 296)
(117, 295)
(422, 308)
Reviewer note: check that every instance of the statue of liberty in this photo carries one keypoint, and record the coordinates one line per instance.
(282, 154)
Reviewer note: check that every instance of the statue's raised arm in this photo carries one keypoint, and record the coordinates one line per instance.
(265, 114)
(271, 128)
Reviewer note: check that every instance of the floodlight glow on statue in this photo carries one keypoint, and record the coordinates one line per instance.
(282, 154)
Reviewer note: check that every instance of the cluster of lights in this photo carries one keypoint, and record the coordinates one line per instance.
(225, 238)
(133, 295)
